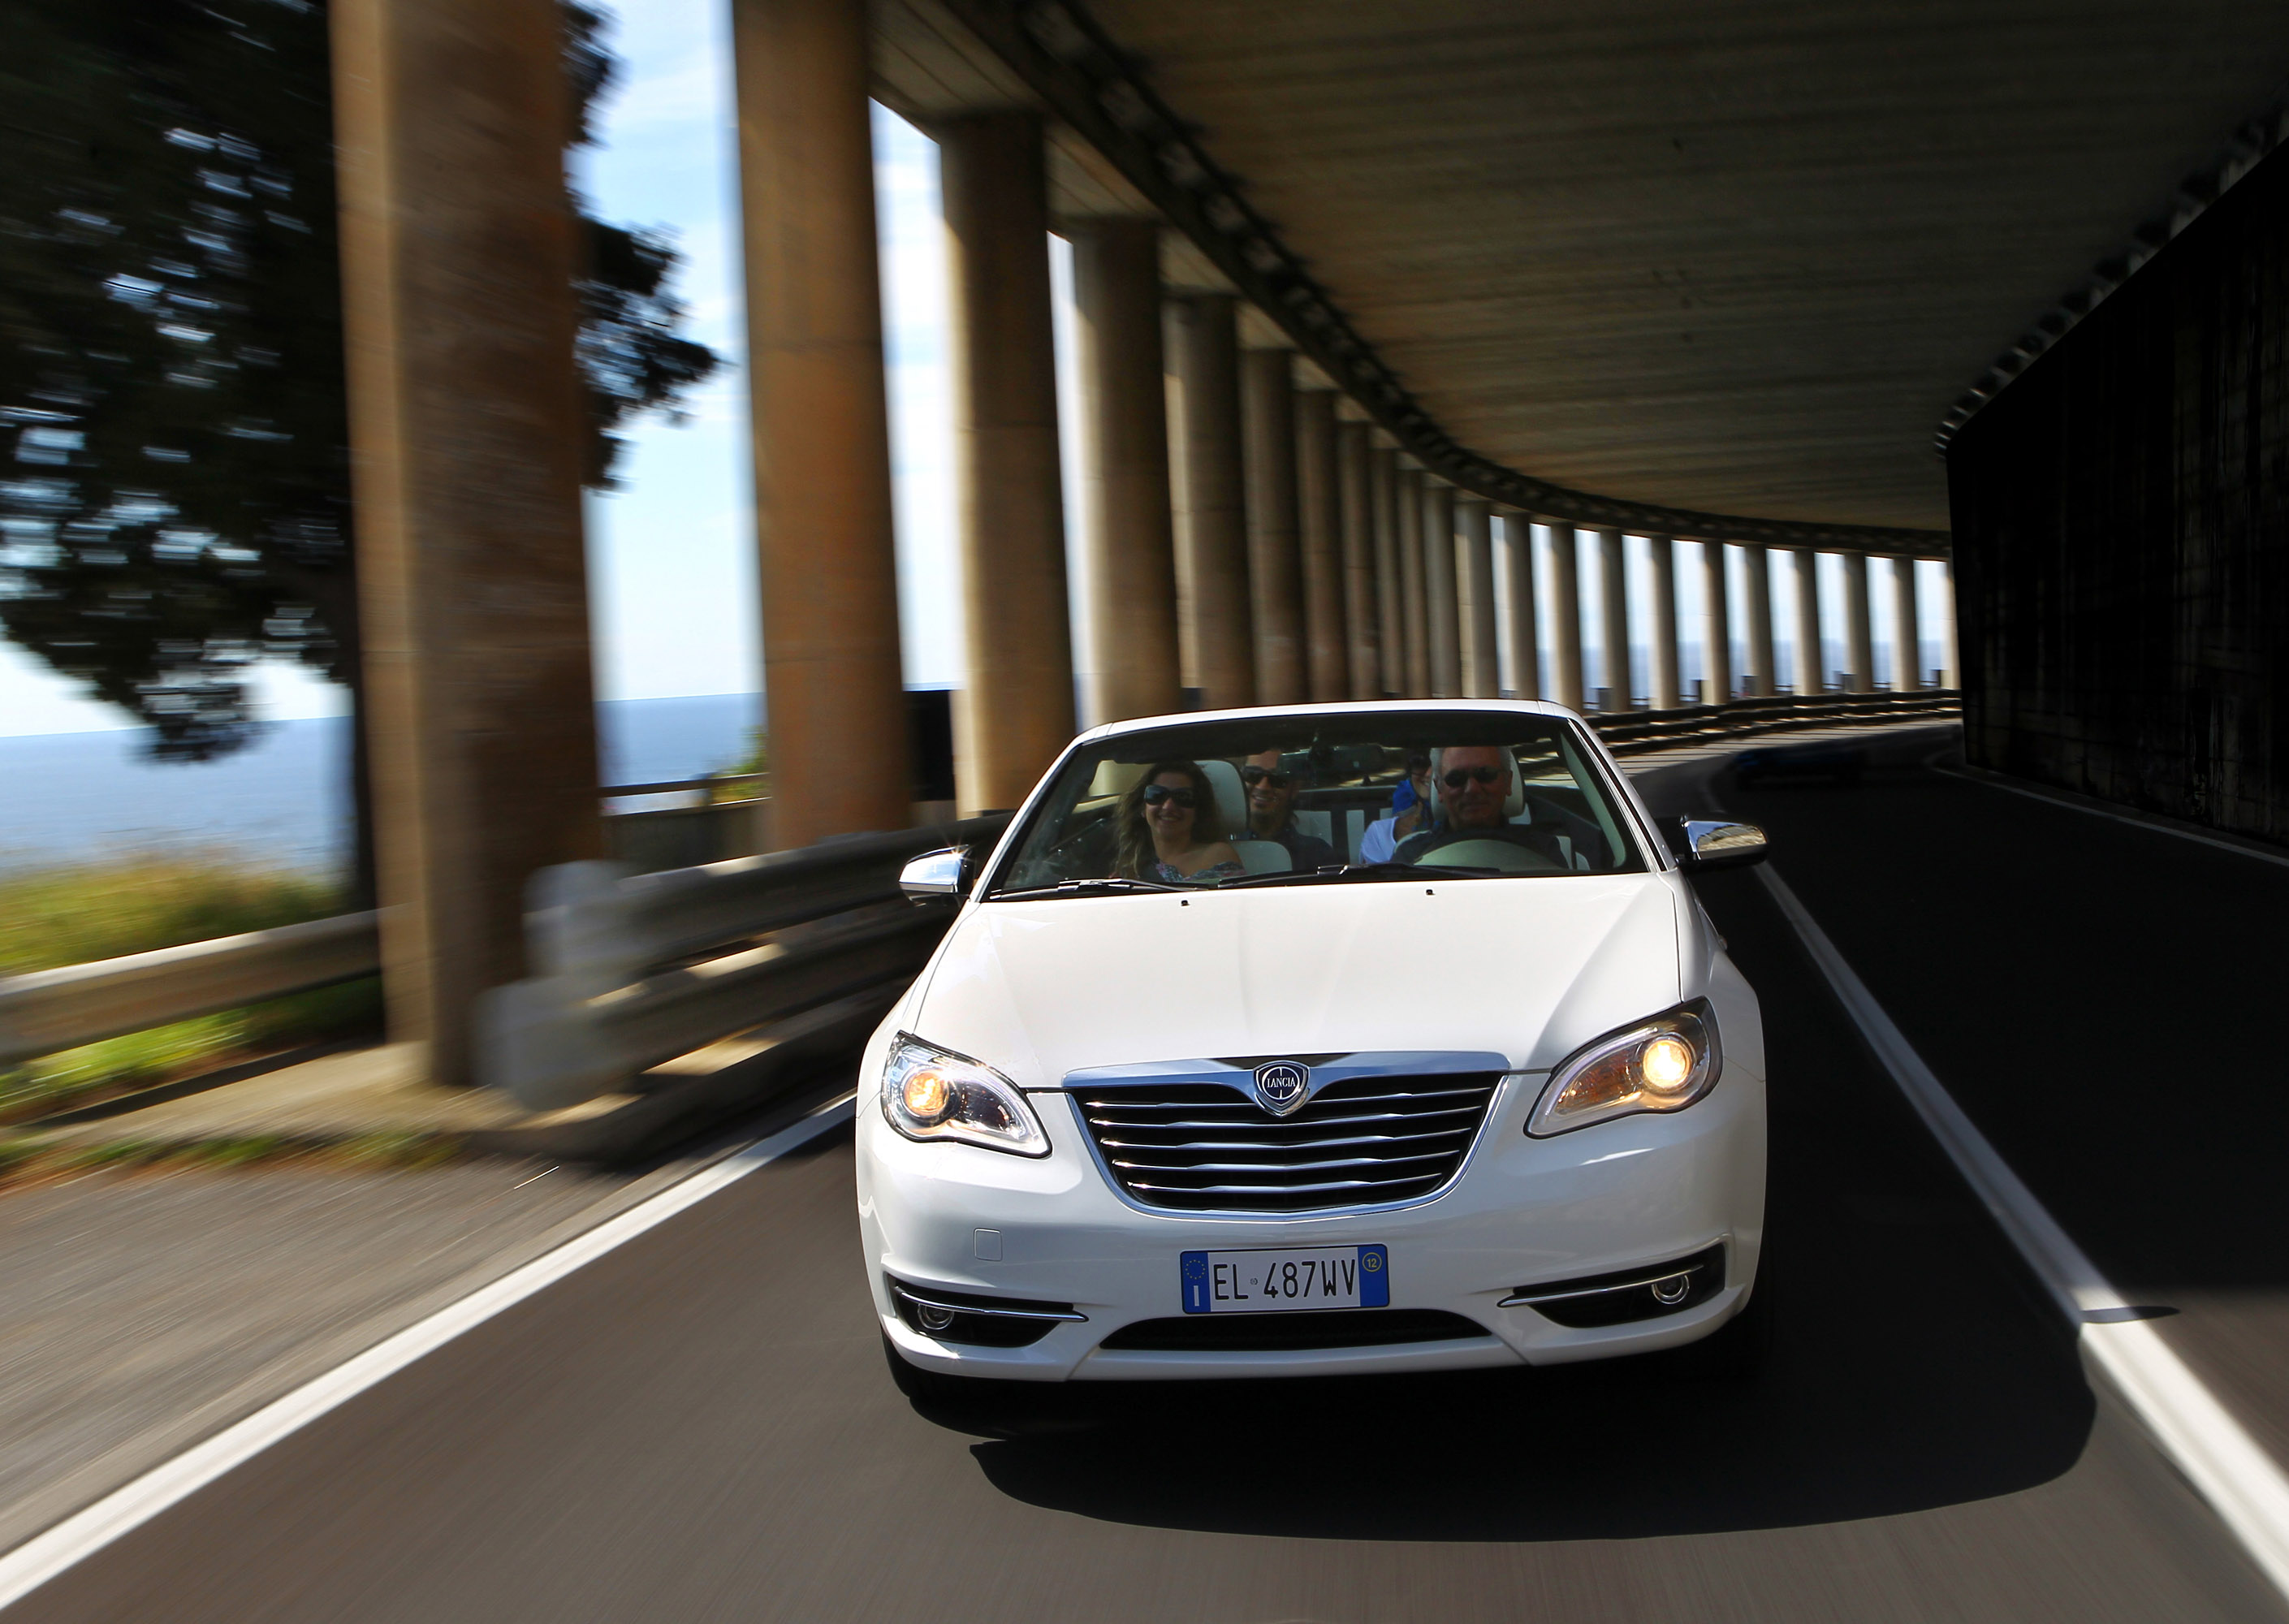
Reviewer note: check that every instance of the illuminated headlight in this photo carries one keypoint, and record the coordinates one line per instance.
(929, 1093)
(1665, 1063)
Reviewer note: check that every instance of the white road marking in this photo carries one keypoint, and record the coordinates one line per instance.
(81, 1535)
(2225, 1465)
(2151, 826)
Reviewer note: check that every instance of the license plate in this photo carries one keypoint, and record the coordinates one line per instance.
(1284, 1277)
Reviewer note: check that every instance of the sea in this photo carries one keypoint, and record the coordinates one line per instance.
(284, 798)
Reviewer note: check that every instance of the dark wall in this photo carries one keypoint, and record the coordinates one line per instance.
(2121, 519)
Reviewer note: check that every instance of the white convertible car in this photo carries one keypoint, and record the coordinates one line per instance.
(1338, 1039)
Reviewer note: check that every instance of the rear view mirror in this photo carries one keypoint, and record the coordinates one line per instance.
(1707, 843)
(937, 876)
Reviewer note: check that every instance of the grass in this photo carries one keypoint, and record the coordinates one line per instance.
(82, 912)
(25, 1162)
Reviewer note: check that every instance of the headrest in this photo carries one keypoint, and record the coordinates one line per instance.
(1231, 797)
(1511, 806)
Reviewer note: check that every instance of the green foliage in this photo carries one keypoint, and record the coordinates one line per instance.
(77, 914)
(755, 760)
(171, 350)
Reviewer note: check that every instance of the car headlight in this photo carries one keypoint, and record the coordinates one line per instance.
(929, 1093)
(1665, 1063)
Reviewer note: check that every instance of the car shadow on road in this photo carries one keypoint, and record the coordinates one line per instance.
(1916, 1365)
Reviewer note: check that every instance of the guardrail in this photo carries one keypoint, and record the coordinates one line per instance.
(1632, 732)
(635, 970)
(45, 1011)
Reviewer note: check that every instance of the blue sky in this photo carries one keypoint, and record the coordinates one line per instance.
(672, 581)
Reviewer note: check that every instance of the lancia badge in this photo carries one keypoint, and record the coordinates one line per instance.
(1281, 1085)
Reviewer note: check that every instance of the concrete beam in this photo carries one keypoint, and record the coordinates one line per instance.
(827, 566)
(1215, 629)
(1521, 648)
(1757, 586)
(1318, 524)
(1413, 583)
(1132, 569)
(1362, 638)
(1564, 618)
(466, 423)
(1474, 589)
(1907, 640)
(1614, 609)
(1811, 655)
(1717, 637)
(1666, 689)
(1015, 711)
(1267, 399)
(1390, 571)
(1859, 636)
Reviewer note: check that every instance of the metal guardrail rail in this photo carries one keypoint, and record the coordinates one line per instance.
(1634, 732)
(633, 970)
(49, 1010)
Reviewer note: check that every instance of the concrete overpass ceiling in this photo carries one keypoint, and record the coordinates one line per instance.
(1736, 258)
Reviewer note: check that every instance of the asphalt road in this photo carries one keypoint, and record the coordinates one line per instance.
(699, 1426)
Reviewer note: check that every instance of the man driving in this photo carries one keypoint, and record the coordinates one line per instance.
(1272, 783)
(1474, 783)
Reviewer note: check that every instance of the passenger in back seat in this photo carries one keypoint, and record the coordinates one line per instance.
(1273, 781)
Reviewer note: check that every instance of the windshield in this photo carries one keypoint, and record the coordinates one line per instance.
(1322, 799)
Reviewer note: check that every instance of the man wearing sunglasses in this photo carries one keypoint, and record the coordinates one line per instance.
(1273, 781)
(1473, 784)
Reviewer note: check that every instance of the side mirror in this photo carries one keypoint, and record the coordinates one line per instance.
(1702, 844)
(937, 876)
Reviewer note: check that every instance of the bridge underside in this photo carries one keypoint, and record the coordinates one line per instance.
(1738, 259)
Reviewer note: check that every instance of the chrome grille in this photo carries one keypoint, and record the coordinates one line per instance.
(1365, 1140)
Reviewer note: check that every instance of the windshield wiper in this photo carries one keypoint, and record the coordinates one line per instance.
(1362, 871)
(1109, 885)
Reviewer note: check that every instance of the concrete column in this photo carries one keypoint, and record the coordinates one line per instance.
(1275, 578)
(1439, 590)
(1717, 637)
(1390, 594)
(1355, 503)
(1757, 582)
(1564, 618)
(1412, 591)
(1132, 569)
(822, 452)
(1859, 638)
(467, 428)
(1662, 588)
(1215, 628)
(1319, 526)
(1950, 673)
(1614, 581)
(1907, 638)
(1521, 649)
(1015, 711)
(1811, 655)
(1475, 588)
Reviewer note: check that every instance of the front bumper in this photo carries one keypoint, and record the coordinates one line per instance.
(1640, 1191)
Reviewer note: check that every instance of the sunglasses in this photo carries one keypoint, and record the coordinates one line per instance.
(1461, 775)
(1253, 776)
(1155, 793)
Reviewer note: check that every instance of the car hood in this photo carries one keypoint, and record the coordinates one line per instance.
(1529, 968)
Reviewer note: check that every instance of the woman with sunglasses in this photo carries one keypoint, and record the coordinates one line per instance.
(1170, 831)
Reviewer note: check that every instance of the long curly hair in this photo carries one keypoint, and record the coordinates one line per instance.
(1136, 854)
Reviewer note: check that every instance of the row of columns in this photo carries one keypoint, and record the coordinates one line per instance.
(1248, 541)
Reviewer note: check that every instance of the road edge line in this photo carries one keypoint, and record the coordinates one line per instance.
(2227, 1466)
(63, 1547)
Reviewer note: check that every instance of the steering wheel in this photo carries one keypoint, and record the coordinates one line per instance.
(1507, 856)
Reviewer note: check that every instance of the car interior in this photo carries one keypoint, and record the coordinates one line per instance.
(1344, 791)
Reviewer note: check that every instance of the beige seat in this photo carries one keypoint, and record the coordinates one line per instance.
(1258, 856)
